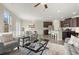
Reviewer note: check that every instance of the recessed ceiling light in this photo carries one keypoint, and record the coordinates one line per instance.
(58, 11)
(74, 13)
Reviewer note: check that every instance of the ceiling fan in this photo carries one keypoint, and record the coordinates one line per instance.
(45, 5)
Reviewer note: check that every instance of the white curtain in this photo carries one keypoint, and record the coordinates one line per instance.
(18, 28)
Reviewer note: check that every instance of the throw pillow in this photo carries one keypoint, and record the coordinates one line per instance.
(76, 43)
(7, 37)
(72, 40)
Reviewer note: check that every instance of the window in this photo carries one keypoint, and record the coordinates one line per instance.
(7, 21)
(18, 28)
(6, 17)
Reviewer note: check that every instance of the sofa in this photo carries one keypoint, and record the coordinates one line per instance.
(71, 46)
(7, 42)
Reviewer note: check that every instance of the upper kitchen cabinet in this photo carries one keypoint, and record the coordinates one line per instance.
(78, 21)
(70, 22)
(66, 22)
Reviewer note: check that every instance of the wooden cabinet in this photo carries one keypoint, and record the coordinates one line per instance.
(66, 23)
(73, 22)
(45, 32)
(62, 23)
(70, 22)
(46, 24)
(78, 21)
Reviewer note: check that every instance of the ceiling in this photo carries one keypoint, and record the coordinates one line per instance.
(55, 11)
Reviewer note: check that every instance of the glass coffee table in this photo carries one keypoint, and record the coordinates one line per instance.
(37, 46)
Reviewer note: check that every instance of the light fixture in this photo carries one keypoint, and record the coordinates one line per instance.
(74, 13)
(58, 11)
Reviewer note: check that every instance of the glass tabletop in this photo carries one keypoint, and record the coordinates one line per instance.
(36, 45)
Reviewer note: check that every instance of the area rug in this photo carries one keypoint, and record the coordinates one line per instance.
(53, 49)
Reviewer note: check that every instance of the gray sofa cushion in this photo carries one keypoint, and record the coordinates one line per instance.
(10, 42)
(7, 37)
(10, 45)
(71, 49)
(72, 45)
(74, 41)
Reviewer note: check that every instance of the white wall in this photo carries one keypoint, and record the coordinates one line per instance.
(25, 23)
(58, 29)
(1, 21)
(56, 24)
(39, 26)
(15, 19)
(15, 22)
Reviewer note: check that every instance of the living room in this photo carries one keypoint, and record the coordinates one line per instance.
(53, 24)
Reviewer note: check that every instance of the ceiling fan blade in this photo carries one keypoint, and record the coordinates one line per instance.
(37, 4)
(45, 6)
